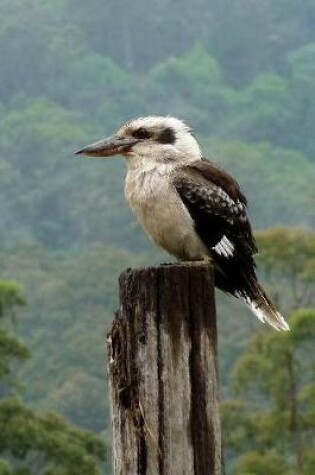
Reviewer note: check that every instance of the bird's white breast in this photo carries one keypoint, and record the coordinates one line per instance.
(153, 198)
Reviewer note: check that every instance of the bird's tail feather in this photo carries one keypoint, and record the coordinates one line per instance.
(246, 287)
(265, 310)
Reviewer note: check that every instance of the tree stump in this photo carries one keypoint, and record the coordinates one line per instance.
(162, 359)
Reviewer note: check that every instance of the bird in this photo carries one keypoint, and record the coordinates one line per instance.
(189, 206)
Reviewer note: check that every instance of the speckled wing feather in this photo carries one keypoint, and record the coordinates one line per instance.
(218, 208)
(216, 203)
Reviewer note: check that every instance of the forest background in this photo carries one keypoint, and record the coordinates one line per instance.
(242, 74)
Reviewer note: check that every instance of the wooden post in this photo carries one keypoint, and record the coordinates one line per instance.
(163, 373)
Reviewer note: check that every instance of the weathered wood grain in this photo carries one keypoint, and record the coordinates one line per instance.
(162, 352)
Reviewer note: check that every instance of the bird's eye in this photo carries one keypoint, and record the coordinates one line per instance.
(141, 133)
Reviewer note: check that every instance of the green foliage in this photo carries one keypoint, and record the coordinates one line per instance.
(60, 447)
(98, 85)
(10, 349)
(264, 110)
(5, 468)
(287, 252)
(11, 296)
(78, 293)
(199, 94)
(194, 74)
(287, 258)
(46, 443)
(255, 463)
(276, 423)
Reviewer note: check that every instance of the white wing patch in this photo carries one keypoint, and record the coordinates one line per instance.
(224, 247)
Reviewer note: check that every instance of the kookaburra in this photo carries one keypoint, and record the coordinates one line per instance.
(189, 206)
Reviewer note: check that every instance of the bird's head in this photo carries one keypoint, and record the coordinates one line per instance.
(153, 138)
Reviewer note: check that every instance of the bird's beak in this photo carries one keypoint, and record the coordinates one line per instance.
(107, 147)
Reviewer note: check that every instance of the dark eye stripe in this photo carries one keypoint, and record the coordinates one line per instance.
(141, 133)
(166, 136)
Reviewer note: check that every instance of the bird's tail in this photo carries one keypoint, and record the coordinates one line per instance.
(264, 309)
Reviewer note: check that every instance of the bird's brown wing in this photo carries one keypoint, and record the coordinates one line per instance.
(218, 208)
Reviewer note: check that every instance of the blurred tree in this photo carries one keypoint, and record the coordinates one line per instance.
(99, 88)
(11, 349)
(243, 52)
(78, 292)
(140, 36)
(287, 258)
(264, 111)
(46, 443)
(11, 296)
(33, 130)
(271, 428)
(199, 96)
(28, 32)
(42, 443)
(260, 34)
